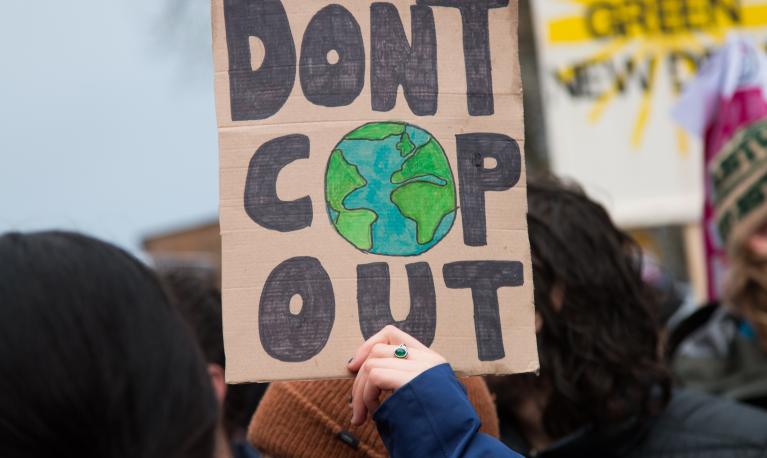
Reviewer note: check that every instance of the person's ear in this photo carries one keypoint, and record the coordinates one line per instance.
(218, 381)
(757, 242)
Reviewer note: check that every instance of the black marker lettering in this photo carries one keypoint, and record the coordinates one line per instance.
(476, 50)
(475, 179)
(261, 201)
(335, 84)
(393, 62)
(261, 93)
(296, 338)
(484, 278)
(373, 284)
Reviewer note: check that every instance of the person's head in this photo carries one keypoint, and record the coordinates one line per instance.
(740, 213)
(95, 360)
(598, 337)
(308, 419)
(198, 299)
(199, 302)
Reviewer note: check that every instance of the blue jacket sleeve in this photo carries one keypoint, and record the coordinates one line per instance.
(432, 417)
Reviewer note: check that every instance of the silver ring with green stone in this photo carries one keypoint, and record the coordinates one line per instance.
(400, 352)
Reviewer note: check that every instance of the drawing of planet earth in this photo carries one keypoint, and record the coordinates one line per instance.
(389, 189)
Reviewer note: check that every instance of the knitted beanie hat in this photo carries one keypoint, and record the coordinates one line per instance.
(313, 419)
(739, 185)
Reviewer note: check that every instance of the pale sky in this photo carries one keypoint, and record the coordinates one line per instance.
(107, 121)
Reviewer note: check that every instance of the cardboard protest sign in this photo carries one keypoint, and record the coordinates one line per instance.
(372, 173)
(611, 72)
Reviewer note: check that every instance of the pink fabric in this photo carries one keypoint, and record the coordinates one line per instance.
(726, 95)
(746, 106)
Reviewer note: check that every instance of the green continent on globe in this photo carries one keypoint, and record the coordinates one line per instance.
(405, 145)
(355, 225)
(428, 194)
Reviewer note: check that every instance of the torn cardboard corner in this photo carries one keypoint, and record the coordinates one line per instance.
(372, 173)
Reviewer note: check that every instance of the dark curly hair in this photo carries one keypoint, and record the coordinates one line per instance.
(599, 339)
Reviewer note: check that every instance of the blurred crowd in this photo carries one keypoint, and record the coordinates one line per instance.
(102, 357)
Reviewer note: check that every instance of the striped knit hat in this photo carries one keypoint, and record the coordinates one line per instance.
(313, 419)
(739, 184)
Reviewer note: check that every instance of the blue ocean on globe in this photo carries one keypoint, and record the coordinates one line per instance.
(377, 161)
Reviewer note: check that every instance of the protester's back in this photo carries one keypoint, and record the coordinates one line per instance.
(95, 363)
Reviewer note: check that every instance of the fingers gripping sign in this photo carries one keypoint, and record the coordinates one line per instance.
(379, 368)
(389, 335)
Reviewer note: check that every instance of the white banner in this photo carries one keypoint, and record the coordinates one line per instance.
(611, 72)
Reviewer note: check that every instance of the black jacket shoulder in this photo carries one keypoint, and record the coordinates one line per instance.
(699, 425)
(692, 425)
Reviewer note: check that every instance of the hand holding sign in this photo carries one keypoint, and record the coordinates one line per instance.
(379, 370)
